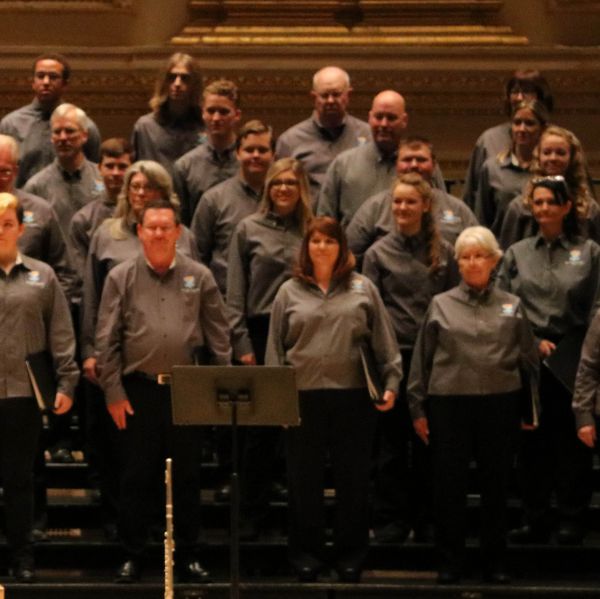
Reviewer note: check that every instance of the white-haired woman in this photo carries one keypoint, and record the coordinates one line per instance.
(464, 391)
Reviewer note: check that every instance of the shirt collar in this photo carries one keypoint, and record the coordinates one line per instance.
(331, 132)
(475, 295)
(561, 240)
(220, 156)
(70, 177)
(247, 189)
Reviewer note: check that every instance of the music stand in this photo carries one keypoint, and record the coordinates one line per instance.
(234, 395)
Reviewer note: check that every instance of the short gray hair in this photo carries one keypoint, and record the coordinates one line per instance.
(480, 237)
(6, 141)
(66, 109)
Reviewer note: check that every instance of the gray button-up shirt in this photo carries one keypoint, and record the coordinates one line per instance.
(263, 250)
(398, 267)
(149, 323)
(34, 316)
(30, 126)
(104, 254)
(218, 213)
(558, 282)
(164, 143)
(43, 240)
(197, 171)
(471, 343)
(316, 147)
(320, 334)
(374, 219)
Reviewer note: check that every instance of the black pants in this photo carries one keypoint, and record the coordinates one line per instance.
(552, 458)
(338, 423)
(462, 427)
(20, 426)
(150, 437)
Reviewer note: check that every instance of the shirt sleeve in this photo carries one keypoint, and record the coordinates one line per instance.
(478, 157)
(214, 322)
(203, 229)
(587, 382)
(93, 280)
(328, 203)
(529, 362)
(361, 231)
(275, 352)
(484, 199)
(57, 257)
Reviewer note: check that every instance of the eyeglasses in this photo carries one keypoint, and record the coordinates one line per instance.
(286, 182)
(184, 77)
(159, 229)
(549, 179)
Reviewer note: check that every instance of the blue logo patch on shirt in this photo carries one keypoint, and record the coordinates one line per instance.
(449, 217)
(361, 139)
(28, 217)
(34, 278)
(357, 286)
(575, 257)
(189, 283)
(99, 187)
(508, 310)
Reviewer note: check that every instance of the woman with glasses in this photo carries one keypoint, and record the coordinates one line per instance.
(262, 252)
(502, 177)
(463, 394)
(558, 153)
(556, 274)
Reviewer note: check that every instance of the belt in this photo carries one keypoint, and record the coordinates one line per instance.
(164, 378)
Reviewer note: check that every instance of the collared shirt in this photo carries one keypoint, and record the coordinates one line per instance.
(84, 224)
(374, 219)
(107, 250)
(67, 194)
(34, 316)
(586, 395)
(501, 179)
(471, 343)
(219, 211)
(316, 147)
(398, 266)
(490, 143)
(149, 323)
(263, 250)
(320, 334)
(558, 282)
(30, 126)
(42, 239)
(164, 143)
(197, 171)
(519, 223)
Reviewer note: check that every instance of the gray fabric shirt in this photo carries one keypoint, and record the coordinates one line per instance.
(84, 224)
(104, 254)
(558, 283)
(148, 323)
(30, 126)
(263, 250)
(164, 143)
(316, 147)
(67, 192)
(471, 343)
(219, 211)
(586, 395)
(197, 171)
(34, 316)
(374, 219)
(490, 143)
(501, 179)
(519, 223)
(43, 240)
(320, 334)
(398, 267)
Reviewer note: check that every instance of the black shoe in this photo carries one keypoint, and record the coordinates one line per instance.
(349, 574)
(223, 494)
(192, 571)
(62, 456)
(393, 532)
(307, 574)
(528, 534)
(448, 576)
(128, 572)
(496, 575)
(39, 535)
(279, 492)
(569, 534)
(24, 573)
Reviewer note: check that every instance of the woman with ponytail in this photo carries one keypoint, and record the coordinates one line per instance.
(409, 266)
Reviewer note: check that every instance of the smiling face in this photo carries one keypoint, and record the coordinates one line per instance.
(526, 128)
(255, 155)
(476, 265)
(548, 213)
(323, 251)
(284, 192)
(387, 119)
(141, 191)
(159, 234)
(416, 159)
(408, 207)
(554, 155)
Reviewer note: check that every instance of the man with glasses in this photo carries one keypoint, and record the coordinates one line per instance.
(30, 124)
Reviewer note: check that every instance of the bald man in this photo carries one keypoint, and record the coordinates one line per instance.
(329, 131)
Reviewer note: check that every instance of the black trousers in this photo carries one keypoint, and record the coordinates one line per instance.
(463, 427)
(552, 458)
(339, 424)
(150, 437)
(20, 427)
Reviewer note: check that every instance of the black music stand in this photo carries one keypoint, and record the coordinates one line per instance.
(235, 395)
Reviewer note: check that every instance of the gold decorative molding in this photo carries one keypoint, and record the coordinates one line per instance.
(574, 6)
(47, 6)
